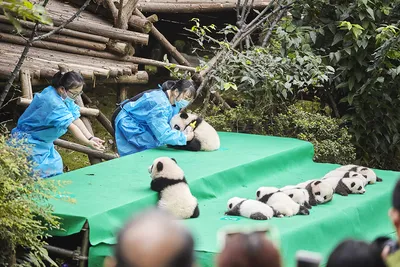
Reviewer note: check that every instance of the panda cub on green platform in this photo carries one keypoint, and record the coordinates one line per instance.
(250, 208)
(205, 137)
(280, 202)
(367, 172)
(174, 194)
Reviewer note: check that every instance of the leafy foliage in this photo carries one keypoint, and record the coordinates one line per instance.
(25, 215)
(25, 9)
(360, 39)
(332, 143)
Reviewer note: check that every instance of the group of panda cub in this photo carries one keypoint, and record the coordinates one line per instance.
(168, 179)
(298, 199)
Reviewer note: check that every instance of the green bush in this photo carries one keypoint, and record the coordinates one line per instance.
(332, 143)
(25, 215)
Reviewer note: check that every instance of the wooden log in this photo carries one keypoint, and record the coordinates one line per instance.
(113, 33)
(123, 93)
(84, 111)
(153, 18)
(158, 7)
(75, 50)
(26, 86)
(83, 149)
(93, 160)
(168, 46)
(58, 38)
(120, 48)
(38, 54)
(141, 24)
(106, 123)
(86, 99)
(141, 77)
(44, 28)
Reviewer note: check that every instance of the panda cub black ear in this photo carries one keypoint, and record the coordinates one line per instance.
(317, 182)
(174, 160)
(160, 166)
(184, 115)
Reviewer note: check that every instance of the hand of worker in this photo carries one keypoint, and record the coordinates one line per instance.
(189, 133)
(97, 140)
(94, 145)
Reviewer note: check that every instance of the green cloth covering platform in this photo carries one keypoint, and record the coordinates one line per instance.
(107, 194)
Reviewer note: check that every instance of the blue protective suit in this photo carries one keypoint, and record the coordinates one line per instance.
(144, 124)
(46, 119)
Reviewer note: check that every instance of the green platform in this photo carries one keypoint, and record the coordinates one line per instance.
(109, 193)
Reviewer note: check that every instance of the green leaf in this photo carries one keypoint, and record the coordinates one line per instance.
(348, 50)
(351, 83)
(338, 37)
(338, 56)
(371, 12)
(313, 36)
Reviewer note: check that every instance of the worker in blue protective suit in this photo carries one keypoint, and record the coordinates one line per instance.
(49, 116)
(142, 122)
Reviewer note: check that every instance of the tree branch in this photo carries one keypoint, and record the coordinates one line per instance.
(273, 24)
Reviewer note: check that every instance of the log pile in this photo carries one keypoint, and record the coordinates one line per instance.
(90, 44)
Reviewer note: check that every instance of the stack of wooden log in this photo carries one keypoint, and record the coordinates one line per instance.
(89, 44)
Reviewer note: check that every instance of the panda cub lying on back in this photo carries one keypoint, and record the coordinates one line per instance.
(205, 137)
(169, 181)
(250, 208)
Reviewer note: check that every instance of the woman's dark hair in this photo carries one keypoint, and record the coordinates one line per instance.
(182, 86)
(68, 80)
(354, 253)
(249, 250)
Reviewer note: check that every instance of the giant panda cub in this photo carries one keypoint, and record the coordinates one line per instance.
(250, 208)
(205, 137)
(369, 173)
(280, 202)
(345, 185)
(169, 181)
(299, 195)
(347, 174)
(320, 192)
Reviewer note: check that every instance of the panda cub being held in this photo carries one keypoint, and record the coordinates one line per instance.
(280, 202)
(205, 136)
(250, 208)
(168, 179)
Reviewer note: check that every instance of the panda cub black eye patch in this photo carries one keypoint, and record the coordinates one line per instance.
(359, 188)
(291, 195)
(318, 193)
(258, 193)
(353, 184)
(230, 206)
(177, 127)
